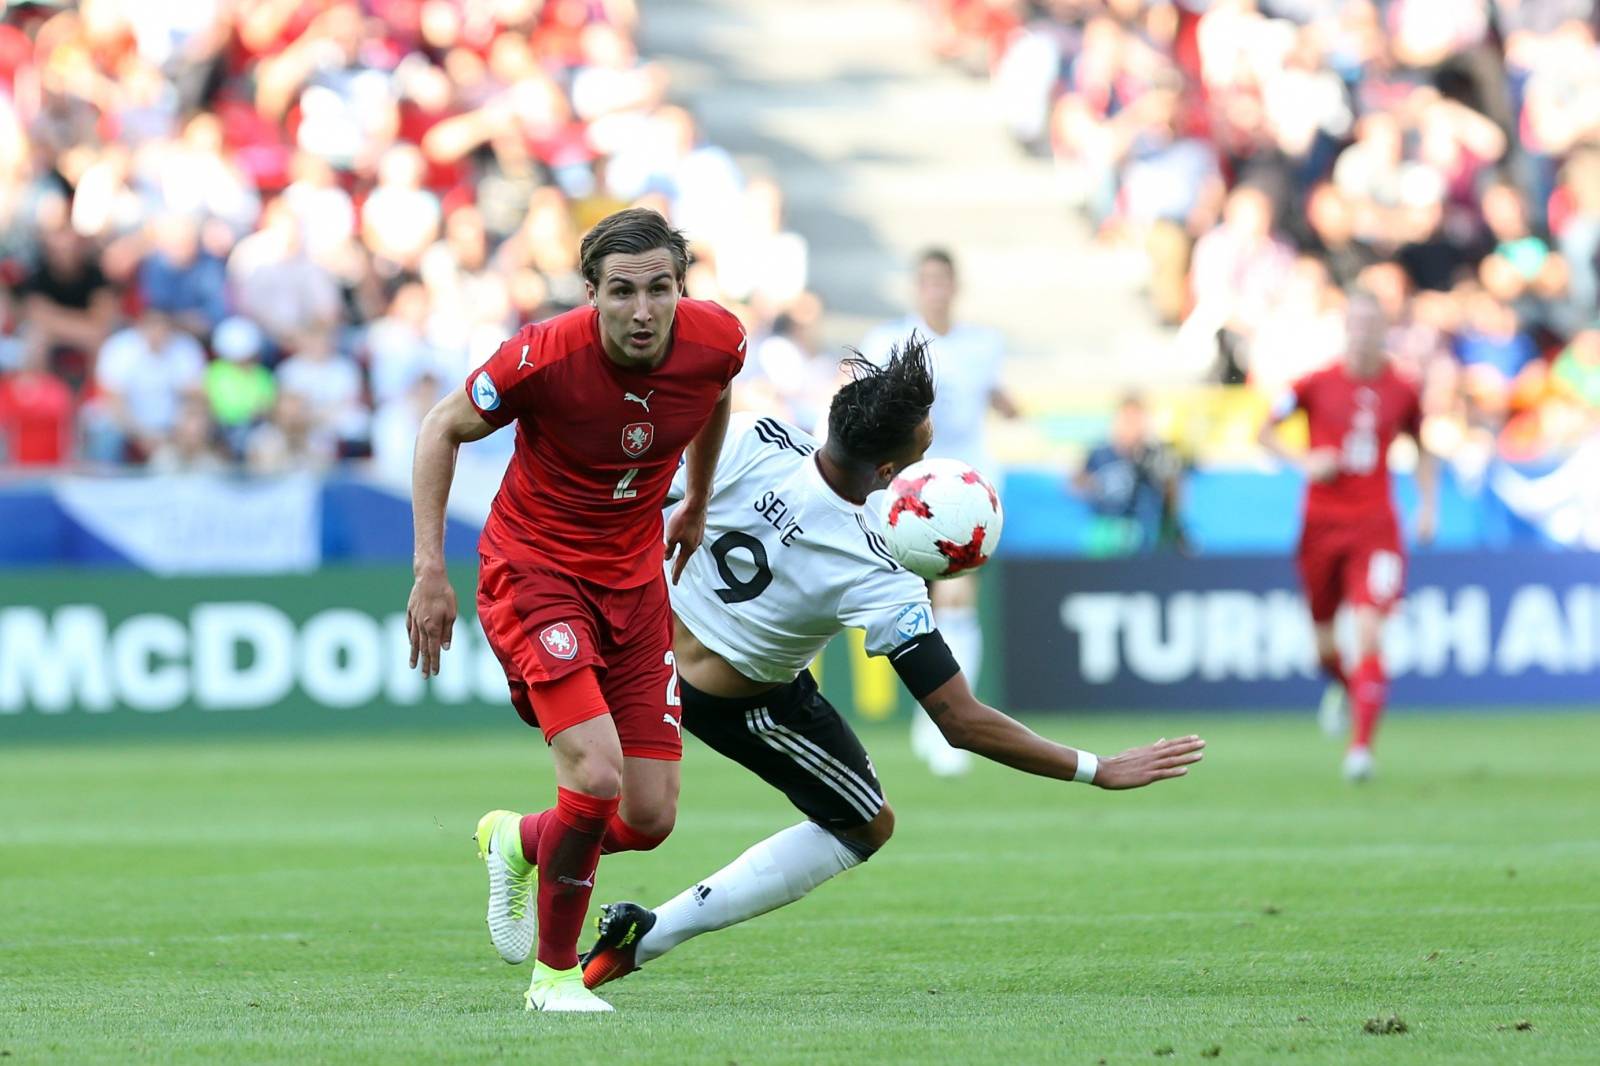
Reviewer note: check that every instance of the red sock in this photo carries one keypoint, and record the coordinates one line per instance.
(620, 836)
(1369, 689)
(1333, 666)
(568, 856)
(530, 827)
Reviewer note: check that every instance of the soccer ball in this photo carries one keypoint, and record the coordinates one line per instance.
(942, 518)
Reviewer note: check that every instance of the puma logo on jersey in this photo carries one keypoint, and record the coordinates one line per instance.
(674, 723)
(642, 401)
(524, 357)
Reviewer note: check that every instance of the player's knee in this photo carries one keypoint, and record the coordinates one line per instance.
(653, 826)
(594, 773)
(876, 833)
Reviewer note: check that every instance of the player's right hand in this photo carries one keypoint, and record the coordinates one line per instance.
(1138, 767)
(430, 619)
(1322, 464)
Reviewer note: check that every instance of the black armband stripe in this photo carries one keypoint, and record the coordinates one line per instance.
(924, 663)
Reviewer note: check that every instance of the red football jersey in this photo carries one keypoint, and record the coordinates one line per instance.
(1360, 418)
(597, 444)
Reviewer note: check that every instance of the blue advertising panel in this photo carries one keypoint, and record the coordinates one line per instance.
(1504, 628)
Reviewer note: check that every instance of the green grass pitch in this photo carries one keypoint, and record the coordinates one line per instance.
(298, 900)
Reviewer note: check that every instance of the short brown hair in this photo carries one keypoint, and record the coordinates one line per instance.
(635, 230)
(937, 255)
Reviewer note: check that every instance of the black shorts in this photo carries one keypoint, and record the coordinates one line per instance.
(795, 741)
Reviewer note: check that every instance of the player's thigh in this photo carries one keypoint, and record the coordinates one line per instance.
(1375, 577)
(798, 743)
(539, 623)
(954, 593)
(1375, 582)
(1321, 566)
(640, 682)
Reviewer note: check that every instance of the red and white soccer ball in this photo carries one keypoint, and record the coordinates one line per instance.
(942, 518)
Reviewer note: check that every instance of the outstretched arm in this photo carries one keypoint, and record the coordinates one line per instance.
(431, 610)
(979, 728)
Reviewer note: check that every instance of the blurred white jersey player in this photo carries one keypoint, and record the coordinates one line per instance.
(966, 366)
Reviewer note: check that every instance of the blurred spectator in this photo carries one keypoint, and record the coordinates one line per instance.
(240, 390)
(760, 262)
(324, 212)
(192, 446)
(279, 286)
(1333, 234)
(65, 295)
(1492, 349)
(36, 409)
(1303, 330)
(143, 376)
(404, 180)
(288, 440)
(786, 376)
(329, 384)
(1575, 221)
(1409, 145)
(400, 219)
(466, 306)
(1521, 270)
(1236, 273)
(178, 277)
(397, 348)
(395, 425)
(1170, 191)
(1131, 481)
(1575, 376)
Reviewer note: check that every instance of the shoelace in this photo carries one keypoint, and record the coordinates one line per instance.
(521, 893)
(519, 888)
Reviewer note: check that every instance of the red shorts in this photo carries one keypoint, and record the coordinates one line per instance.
(1360, 566)
(544, 624)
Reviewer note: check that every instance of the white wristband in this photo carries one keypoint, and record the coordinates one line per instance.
(1088, 763)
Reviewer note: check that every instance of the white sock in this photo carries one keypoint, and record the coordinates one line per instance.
(778, 870)
(961, 631)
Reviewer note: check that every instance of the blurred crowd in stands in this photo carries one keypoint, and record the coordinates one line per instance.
(1266, 155)
(267, 234)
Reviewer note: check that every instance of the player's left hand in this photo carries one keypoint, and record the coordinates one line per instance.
(1138, 767)
(685, 529)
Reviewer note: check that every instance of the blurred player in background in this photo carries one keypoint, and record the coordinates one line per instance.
(793, 556)
(966, 370)
(571, 592)
(1350, 547)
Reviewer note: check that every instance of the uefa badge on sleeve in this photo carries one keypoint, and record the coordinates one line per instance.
(560, 641)
(484, 394)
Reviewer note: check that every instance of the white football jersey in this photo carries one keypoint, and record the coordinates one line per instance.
(966, 371)
(786, 562)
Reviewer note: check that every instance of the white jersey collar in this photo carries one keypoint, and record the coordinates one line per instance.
(826, 492)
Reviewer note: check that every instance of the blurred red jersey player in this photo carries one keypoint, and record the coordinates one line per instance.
(1351, 551)
(571, 589)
